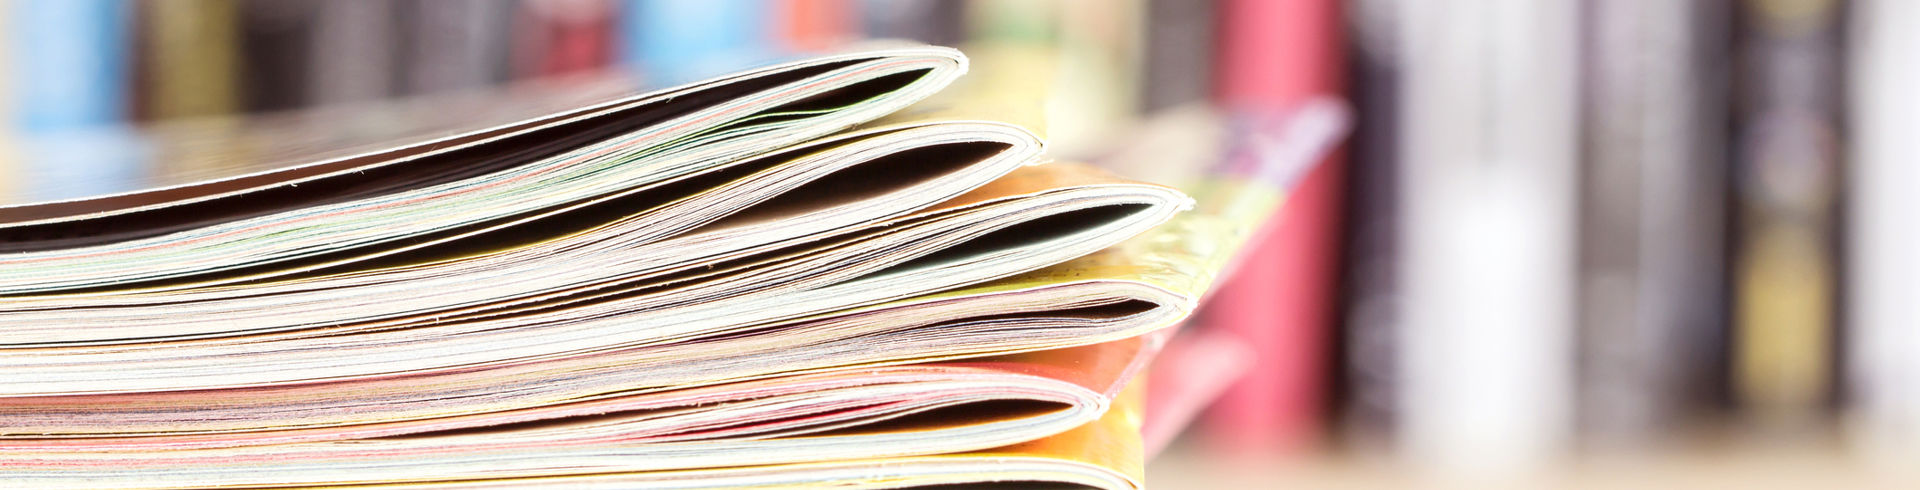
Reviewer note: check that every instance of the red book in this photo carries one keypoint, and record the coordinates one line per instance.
(1274, 55)
(558, 37)
(813, 25)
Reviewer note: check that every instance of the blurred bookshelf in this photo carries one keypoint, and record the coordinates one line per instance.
(1564, 239)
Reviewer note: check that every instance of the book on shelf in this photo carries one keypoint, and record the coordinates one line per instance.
(187, 67)
(278, 41)
(1785, 191)
(68, 77)
(1487, 219)
(1274, 57)
(562, 37)
(295, 54)
(452, 44)
(1367, 373)
(1653, 177)
(1176, 55)
(672, 43)
(187, 61)
(9, 175)
(927, 21)
(1882, 272)
(811, 26)
(775, 277)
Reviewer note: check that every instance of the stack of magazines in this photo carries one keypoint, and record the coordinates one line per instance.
(752, 281)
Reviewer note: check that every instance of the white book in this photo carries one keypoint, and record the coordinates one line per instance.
(1489, 209)
(1883, 359)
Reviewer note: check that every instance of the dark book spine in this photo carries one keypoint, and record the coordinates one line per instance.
(1787, 170)
(1368, 378)
(1652, 219)
(452, 44)
(277, 42)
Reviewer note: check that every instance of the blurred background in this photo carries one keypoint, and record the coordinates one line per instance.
(1567, 242)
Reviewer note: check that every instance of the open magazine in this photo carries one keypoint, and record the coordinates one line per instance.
(746, 281)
